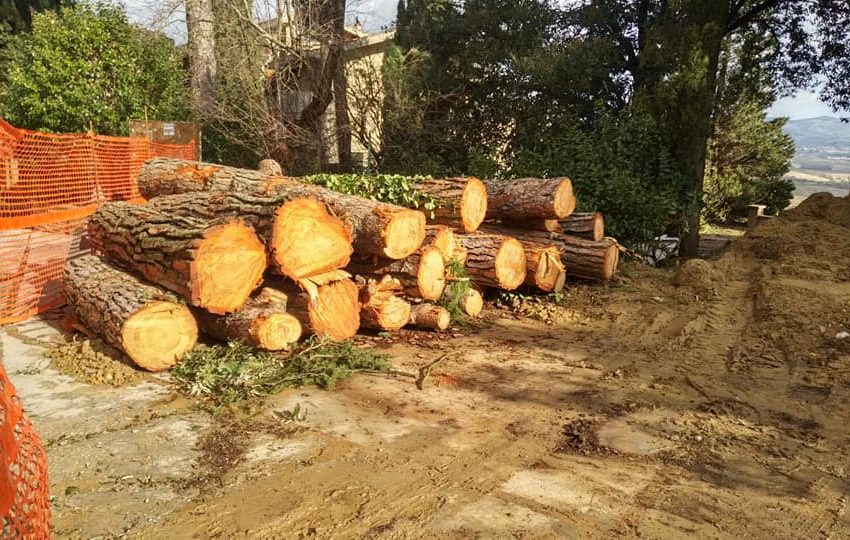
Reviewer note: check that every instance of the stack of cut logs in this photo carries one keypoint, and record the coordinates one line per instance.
(262, 258)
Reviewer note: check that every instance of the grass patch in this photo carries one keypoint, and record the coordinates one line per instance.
(235, 373)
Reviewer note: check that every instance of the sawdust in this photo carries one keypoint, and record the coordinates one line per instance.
(93, 362)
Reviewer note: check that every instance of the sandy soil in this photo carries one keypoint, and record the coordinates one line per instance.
(715, 407)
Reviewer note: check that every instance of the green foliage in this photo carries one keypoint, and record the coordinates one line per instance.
(234, 373)
(387, 188)
(748, 157)
(458, 285)
(16, 15)
(615, 169)
(87, 66)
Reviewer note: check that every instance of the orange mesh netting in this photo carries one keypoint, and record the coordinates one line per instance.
(24, 503)
(49, 185)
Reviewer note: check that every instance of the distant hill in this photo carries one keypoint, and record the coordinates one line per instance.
(820, 132)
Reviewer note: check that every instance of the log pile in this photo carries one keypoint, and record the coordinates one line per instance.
(265, 259)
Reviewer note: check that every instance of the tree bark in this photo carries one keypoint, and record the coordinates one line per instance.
(377, 228)
(530, 198)
(461, 202)
(590, 226)
(548, 225)
(430, 317)
(423, 273)
(382, 309)
(302, 238)
(146, 323)
(262, 323)
(494, 260)
(213, 264)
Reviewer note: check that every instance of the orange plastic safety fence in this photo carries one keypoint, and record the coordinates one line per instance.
(24, 502)
(49, 185)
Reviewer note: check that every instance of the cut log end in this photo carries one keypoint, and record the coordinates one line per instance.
(307, 240)
(473, 205)
(157, 336)
(431, 274)
(611, 261)
(510, 265)
(548, 273)
(564, 199)
(392, 314)
(335, 310)
(404, 233)
(277, 332)
(229, 265)
(473, 303)
(442, 238)
(430, 316)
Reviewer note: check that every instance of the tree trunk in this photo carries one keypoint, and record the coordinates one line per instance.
(144, 322)
(302, 238)
(377, 228)
(690, 113)
(340, 81)
(200, 25)
(213, 264)
(326, 306)
(545, 270)
(494, 260)
(381, 308)
(582, 258)
(430, 317)
(442, 238)
(262, 323)
(461, 202)
(530, 198)
(590, 226)
(423, 273)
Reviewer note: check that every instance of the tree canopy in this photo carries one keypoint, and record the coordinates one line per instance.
(87, 67)
(509, 76)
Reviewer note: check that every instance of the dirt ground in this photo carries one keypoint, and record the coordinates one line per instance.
(710, 401)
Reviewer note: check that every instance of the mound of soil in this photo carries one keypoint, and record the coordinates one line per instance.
(697, 275)
(93, 362)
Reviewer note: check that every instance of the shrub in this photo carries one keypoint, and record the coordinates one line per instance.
(87, 67)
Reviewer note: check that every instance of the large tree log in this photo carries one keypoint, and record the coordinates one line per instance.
(430, 317)
(381, 307)
(494, 260)
(327, 305)
(145, 322)
(590, 226)
(549, 225)
(460, 201)
(442, 238)
(530, 198)
(582, 258)
(263, 323)
(423, 274)
(377, 229)
(303, 239)
(213, 264)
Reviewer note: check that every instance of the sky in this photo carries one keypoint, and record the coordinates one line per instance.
(378, 14)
